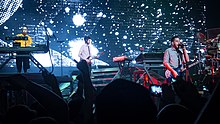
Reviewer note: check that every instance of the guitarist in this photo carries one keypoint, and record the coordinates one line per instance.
(85, 52)
(174, 58)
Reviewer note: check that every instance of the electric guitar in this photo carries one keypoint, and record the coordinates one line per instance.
(90, 58)
(179, 70)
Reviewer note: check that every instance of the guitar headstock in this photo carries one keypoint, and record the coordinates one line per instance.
(101, 53)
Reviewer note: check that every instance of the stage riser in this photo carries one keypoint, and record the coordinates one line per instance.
(56, 70)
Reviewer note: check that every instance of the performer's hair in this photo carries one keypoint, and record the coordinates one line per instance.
(86, 38)
(172, 39)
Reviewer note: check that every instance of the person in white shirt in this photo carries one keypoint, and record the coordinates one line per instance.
(85, 52)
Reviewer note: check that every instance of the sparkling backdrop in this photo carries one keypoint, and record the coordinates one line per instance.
(7, 9)
(117, 27)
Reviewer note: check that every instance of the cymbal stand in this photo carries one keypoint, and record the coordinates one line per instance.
(213, 70)
(217, 64)
(200, 71)
(199, 58)
(61, 57)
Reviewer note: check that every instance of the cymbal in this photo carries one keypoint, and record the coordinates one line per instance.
(200, 35)
(212, 40)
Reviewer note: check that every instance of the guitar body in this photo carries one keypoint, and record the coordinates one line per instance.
(169, 76)
(180, 71)
(90, 58)
(89, 61)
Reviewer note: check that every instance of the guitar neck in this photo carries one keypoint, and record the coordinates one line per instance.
(189, 66)
(93, 57)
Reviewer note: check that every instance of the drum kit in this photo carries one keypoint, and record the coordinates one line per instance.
(211, 54)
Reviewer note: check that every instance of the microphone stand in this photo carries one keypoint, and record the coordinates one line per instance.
(61, 56)
(47, 37)
(61, 49)
(199, 57)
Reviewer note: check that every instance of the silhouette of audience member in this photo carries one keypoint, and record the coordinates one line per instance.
(189, 95)
(41, 111)
(19, 114)
(1, 118)
(175, 114)
(125, 102)
(86, 91)
(184, 93)
(210, 111)
(54, 104)
(75, 106)
(167, 96)
(43, 120)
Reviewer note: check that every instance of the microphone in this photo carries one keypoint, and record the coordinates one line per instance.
(182, 45)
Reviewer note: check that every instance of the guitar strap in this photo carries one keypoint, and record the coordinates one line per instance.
(89, 51)
(180, 57)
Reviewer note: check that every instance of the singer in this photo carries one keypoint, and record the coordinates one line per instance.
(174, 58)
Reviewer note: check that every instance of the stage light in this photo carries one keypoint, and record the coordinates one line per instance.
(51, 21)
(125, 37)
(8, 7)
(67, 9)
(49, 32)
(100, 14)
(78, 20)
(116, 33)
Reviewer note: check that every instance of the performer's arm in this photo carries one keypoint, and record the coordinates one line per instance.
(185, 54)
(29, 41)
(18, 41)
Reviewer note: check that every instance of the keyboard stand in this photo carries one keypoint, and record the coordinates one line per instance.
(123, 66)
(11, 56)
(41, 67)
(146, 72)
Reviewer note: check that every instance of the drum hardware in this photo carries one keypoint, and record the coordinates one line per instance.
(211, 58)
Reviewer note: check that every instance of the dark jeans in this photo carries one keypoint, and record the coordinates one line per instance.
(90, 69)
(22, 60)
